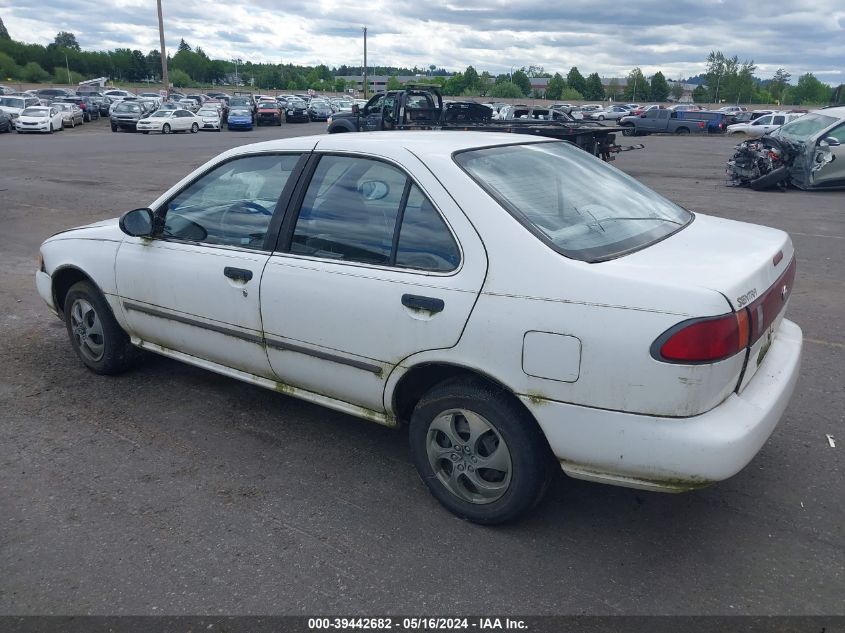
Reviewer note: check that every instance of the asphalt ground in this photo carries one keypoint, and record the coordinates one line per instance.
(172, 490)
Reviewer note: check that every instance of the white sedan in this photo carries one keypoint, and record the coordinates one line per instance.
(609, 113)
(763, 125)
(167, 121)
(45, 119)
(211, 118)
(514, 303)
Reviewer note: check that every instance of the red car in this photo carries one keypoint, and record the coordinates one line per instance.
(269, 113)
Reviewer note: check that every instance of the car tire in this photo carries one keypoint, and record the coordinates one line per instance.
(95, 335)
(195, 128)
(145, 131)
(51, 128)
(165, 129)
(628, 130)
(463, 423)
(682, 131)
(114, 128)
(601, 117)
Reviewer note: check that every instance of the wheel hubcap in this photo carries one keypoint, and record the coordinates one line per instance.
(87, 330)
(468, 456)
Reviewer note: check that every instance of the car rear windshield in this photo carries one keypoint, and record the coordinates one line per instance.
(575, 203)
(123, 106)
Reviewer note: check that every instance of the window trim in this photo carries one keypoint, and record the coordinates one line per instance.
(291, 215)
(275, 224)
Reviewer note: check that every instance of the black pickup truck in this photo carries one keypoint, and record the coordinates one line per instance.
(422, 108)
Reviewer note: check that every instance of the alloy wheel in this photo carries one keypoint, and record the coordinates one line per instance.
(87, 330)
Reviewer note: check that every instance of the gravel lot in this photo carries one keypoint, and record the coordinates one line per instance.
(173, 490)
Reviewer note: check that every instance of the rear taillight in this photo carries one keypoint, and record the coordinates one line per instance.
(766, 308)
(706, 340)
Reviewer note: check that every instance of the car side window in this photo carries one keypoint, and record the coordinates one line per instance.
(351, 210)
(232, 204)
(425, 242)
(838, 133)
(778, 120)
(764, 120)
(651, 114)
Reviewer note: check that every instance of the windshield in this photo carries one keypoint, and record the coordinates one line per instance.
(575, 203)
(208, 112)
(267, 104)
(162, 113)
(240, 113)
(34, 112)
(11, 102)
(805, 127)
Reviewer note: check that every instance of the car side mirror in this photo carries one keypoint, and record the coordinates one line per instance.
(137, 223)
(356, 109)
(831, 141)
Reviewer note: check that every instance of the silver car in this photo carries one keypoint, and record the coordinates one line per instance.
(820, 134)
(612, 113)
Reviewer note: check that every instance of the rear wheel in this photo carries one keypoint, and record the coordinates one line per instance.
(601, 117)
(627, 130)
(195, 128)
(95, 335)
(479, 452)
(682, 131)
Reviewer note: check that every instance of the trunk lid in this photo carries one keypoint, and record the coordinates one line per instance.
(752, 266)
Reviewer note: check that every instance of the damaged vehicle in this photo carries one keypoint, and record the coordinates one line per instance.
(528, 308)
(805, 153)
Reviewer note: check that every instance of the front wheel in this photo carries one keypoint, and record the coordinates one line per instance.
(165, 128)
(95, 335)
(114, 128)
(628, 130)
(601, 117)
(479, 452)
(195, 128)
(51, 128)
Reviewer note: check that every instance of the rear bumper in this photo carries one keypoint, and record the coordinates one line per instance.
(675, 454)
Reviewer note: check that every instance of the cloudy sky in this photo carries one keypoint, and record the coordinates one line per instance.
(604, 36)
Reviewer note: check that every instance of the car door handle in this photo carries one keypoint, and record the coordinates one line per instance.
(238, 274)
(417, 302)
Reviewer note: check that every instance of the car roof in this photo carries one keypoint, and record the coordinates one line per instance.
(837, 111)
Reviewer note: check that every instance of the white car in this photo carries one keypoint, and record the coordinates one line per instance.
(45, 119)
(519, 304)
(167, 121)
(609, 113)
(115, 96)
(188, 104)
(764, 124)
(15, 104)
(211, 118)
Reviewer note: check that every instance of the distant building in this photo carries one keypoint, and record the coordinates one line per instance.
(378, 83)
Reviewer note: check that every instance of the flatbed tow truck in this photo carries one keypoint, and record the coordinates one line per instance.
(422, 108)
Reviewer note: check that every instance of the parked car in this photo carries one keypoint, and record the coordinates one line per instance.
(116, 96)
(188, 104)
(212, 119)
(15, 104)
(48, 95)
(45, 119)
(89, 112)
(819, 137)
(684, 107)
(297, 111)
(713, 122)
(124, 115)
(241, 103)
(659, 121)
(240, 118)
(167, 121)
(762, 125)
(71, 113)
(655, 365)
(6, 122)
(319, 110)
(268, 113)
(610, 113)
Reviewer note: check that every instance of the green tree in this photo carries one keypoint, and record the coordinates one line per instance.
(60, 76)
(576, 81)
(184, 46)
(659, 90)
(33, 72)
(613, 89)
(555, 87)
(677, 90)
(838, 96)
(471, 80)
(636, 87)
(506, 91)
(454, 85)
(701, 95)
(810, 91)
(180, 78)
(339, 85)
(745, 84)
(393, 83)
(779, 81)
(64, 39)
(8, 68)
(4, 34)
(522, 82)
(570, 94)
(594, 90)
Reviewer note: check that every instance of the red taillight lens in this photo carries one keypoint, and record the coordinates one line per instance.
(706, 340)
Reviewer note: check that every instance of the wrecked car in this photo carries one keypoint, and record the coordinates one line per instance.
(805, 153)
(515, 304)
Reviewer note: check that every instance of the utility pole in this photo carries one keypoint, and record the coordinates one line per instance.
(366, 83)
(67, 66)
(164, 78)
